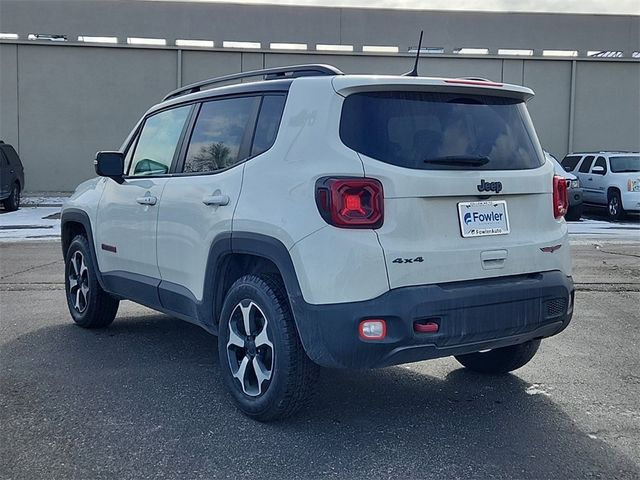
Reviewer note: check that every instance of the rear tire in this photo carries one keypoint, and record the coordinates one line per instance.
(500, 360)
(12, 202)
(265, 369)
(574, 213)
(90, 306)
(614, 206)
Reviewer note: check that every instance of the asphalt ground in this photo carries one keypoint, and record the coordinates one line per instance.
(144, 398)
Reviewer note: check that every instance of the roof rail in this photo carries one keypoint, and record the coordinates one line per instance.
(294, 71)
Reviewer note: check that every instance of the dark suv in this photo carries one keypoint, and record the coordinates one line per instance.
(11, 177)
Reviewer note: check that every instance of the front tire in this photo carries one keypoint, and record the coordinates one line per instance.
(614, 206)
(90, 306)
(12, 202)
(500, 360)
(263, 363)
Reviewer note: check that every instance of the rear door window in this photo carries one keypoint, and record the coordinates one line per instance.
(585, 166)
(219, 134)
(438, 131)
(569, 162)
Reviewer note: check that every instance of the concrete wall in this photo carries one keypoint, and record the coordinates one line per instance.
(313, 25)
(61, 102)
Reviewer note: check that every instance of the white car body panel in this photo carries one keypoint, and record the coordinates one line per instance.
(128, 226)
(187, 227)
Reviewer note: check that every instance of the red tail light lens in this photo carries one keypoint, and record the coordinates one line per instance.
(350, 202)
(560, 197)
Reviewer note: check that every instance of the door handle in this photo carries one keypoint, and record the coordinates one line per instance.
(148, 200)
(590, 179)
(217, 200)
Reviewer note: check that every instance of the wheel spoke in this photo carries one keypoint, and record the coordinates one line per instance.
(83, 267)
(262, 339)
(77, 304)
(240, 373)
(74, 264)
(234, 338)
(246, 318)
(85, 291)
(262, 374)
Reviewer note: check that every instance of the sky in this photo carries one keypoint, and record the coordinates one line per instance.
(624, 7)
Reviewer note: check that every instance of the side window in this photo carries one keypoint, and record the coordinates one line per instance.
(586, 164)
(219, 133)
(3, 160)
(268, 123)
(601, 162)
(12, 156)
(570, 162)
(158, 141)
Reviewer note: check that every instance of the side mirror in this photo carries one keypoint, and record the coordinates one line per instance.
(598, 170)
(111, 165)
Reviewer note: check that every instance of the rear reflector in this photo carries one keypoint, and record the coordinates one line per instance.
(427, 327)
(373, 329)
(560, 197)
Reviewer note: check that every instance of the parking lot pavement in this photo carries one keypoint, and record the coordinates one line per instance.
(143, 399)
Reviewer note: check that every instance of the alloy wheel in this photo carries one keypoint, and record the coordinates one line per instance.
(613, 206)
(78, 282)
(249, 349)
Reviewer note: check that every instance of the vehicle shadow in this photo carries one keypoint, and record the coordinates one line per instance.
(145, 397)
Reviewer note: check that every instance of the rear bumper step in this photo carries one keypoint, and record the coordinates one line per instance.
(471, 316)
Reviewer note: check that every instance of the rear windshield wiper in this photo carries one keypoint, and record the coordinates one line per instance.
(472, 160)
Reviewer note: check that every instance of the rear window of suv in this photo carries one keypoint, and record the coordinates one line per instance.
(628, 163)
(438, 131)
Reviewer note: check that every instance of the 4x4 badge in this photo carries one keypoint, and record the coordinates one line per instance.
(489, 186)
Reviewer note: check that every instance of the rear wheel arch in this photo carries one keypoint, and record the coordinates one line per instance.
(612, 190)
(242, 253)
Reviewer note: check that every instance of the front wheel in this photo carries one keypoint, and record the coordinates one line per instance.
(614, 206)
(262, 360)
(89, 305)
(500, 360)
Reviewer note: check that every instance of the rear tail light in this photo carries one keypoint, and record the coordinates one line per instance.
(560, 197)
(350, 202)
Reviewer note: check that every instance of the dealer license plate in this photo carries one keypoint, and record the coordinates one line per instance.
(483, 218)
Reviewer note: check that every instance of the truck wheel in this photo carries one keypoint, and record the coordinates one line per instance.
(614, 206)
(574, 213)
(12, 202)
(262, 360)
(500, 360)
(89, 305)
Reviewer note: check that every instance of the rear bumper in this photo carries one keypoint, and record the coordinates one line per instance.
(472, 315)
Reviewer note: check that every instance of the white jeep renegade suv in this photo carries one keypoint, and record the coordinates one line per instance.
(321, 219)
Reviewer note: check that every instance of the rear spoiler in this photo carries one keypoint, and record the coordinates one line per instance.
(347, 84)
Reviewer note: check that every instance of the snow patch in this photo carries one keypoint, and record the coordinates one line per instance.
(536, 389)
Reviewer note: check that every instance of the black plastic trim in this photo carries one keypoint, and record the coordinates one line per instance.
(79, 216)
(472, 315)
